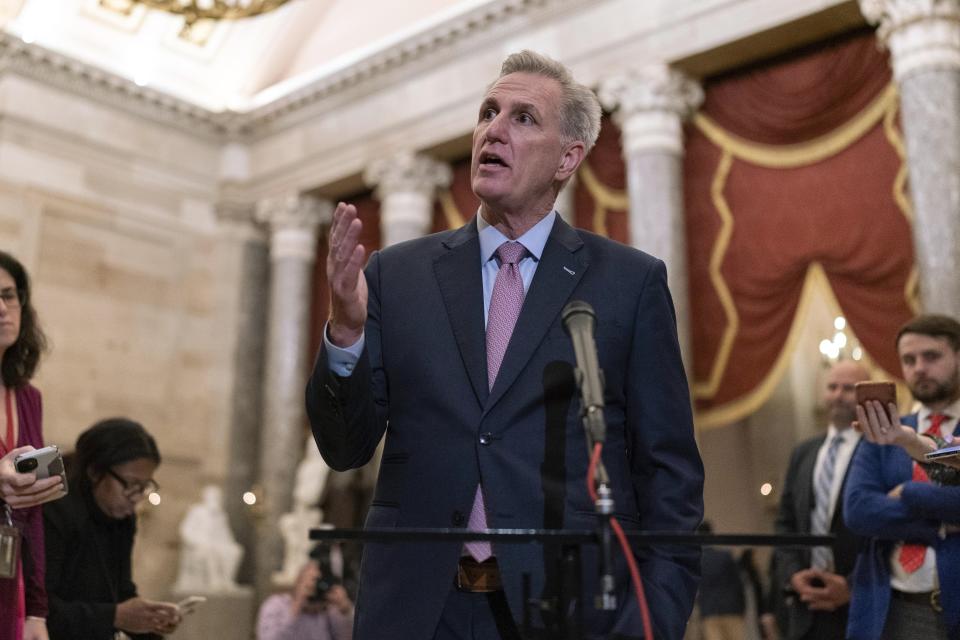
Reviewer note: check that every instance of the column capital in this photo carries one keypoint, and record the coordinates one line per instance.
(294, 222)
(407, 172)
(649, 105)
(921, 34)
(238, 220)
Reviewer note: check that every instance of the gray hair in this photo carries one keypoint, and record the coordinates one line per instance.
(580, 109)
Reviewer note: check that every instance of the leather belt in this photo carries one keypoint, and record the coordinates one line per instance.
(929, 598)
(478, 577)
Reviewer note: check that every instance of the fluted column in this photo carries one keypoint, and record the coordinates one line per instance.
(923, 37)
(650, 105)
(293, 222)
(405, 185)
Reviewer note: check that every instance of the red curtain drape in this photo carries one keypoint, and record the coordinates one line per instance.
(838, 210)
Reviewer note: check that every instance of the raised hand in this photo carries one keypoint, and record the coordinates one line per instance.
(881, 425)
(348, 287)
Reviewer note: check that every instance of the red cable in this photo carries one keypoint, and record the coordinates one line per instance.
(624, 544)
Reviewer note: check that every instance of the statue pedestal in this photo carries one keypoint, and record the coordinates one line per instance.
(233, 610)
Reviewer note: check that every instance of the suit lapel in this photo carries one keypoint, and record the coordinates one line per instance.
(461, 286)
(807, 497)
(558, 273)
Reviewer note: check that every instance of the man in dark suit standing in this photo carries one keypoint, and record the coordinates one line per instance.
(811, 591)
(453, 345)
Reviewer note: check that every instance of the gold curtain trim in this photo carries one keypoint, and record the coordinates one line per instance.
(450, 210)
(882, 110)
(604, 199)
(805, 153)
(816, 278)
(709, 388)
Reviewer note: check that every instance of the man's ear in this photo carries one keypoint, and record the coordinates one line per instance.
(573, 154)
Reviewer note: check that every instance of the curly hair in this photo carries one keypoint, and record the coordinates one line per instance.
(20, 360)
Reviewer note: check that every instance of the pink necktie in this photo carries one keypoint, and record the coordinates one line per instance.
(505, 304)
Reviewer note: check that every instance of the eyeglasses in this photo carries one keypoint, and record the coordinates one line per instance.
(11, 298)
(134, 488)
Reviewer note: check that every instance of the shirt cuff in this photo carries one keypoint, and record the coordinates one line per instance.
(342, 361)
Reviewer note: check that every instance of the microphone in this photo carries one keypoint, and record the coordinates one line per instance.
(578, 319)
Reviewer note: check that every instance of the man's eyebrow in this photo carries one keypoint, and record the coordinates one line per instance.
(527, 106)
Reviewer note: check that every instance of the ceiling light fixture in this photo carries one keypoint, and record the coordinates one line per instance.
(194, 10)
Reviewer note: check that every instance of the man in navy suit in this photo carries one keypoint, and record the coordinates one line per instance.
(907, 579)
(453, 346)
(810, 588)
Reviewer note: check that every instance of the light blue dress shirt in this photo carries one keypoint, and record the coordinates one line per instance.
(341, 361)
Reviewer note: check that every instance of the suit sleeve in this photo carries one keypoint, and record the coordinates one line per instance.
(788, 560)
(348, 415)
(665, 464)
(867, 509)
(926, 500)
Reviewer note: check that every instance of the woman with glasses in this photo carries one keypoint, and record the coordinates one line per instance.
(23, 598)
(90, 538)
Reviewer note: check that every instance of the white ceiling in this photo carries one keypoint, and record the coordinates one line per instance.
(241, 62)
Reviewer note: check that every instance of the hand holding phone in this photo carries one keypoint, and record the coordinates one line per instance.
(46, 463)
(883, 392)
(190, 603)
(20, 490)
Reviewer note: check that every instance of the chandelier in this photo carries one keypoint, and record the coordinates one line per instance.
(195, 10)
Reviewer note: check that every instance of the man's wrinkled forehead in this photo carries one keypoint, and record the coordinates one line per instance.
(524, 88)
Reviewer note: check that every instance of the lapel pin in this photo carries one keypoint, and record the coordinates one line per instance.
(570, 271)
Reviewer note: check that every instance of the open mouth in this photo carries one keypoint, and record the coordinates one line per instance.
(489, 159)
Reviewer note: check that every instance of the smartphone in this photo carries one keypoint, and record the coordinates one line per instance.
(883, 392)
(946, 452)
(190, 603)
(46, 462)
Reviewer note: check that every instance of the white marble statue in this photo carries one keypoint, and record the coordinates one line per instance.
(209, 553)
(295, 526)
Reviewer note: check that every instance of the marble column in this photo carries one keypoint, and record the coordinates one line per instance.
(294, 223)
(923, 37)
(405, 185)
(650, 105)
(247, 253)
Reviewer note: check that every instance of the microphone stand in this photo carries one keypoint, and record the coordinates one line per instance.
(578, 318)
(595, 428)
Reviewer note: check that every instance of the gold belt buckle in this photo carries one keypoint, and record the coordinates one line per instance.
(475, 578)
(935, 601)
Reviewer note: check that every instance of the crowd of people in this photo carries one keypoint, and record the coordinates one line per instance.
(891, 573)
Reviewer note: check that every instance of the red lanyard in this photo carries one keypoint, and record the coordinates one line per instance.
(9, 443)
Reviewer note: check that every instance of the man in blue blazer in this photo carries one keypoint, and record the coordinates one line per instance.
(907, 579)
(481, 413)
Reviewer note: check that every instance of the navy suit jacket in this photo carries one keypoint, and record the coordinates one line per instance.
(423, 381)
(793, 516)
(915, 517)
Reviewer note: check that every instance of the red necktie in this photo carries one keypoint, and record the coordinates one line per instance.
(912, 555)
